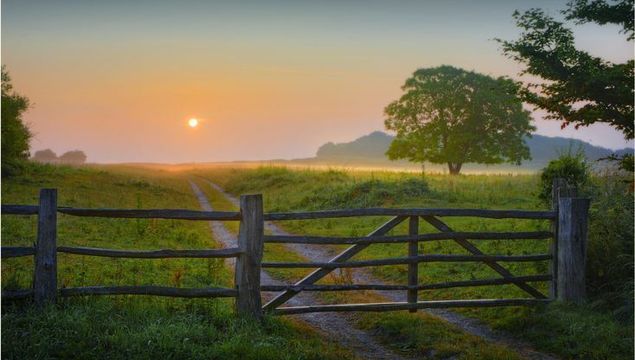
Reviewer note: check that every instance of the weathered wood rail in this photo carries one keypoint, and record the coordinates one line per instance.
(566, 258)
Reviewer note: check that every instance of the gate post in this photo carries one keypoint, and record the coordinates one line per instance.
(250, 241)
(572, 244)
(45, 273)
(560, 188)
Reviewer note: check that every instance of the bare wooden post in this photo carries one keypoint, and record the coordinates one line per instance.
(573, 216)
(560, 188)
(250, 241)
(413, 268)
(45, 274)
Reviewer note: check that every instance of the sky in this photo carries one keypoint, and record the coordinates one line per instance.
(266, 79)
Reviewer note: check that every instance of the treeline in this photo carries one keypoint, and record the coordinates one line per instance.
(48, 156)
(16, 135)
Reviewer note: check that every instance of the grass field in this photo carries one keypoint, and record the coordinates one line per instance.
(146, 327)
(132, 327)
(583, 331)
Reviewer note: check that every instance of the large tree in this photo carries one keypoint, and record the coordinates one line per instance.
(452, 116)
(577, 87)
(15, 133)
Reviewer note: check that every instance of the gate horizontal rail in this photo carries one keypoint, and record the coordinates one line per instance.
(432, 304)
(325, 240)
(445, 285)
(408, 260)
(493, 214)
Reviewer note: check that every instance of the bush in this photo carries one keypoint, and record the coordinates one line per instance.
(571, 167)
(610, 247)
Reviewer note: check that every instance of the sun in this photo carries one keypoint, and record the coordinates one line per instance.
(192, 123)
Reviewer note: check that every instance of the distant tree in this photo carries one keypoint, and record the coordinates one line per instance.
(578, 88)
(15, 134)
(453, 116)
(45, 156)
(75, 157)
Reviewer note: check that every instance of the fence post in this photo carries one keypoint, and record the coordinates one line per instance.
(45, 274)
(250, 241)
(573, 215)
(413, 268)
(560, 188)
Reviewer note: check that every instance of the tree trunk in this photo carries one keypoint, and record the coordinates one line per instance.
(454, 168)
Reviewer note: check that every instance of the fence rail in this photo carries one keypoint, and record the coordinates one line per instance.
(566, 258)
(16, 251)
(150, 290)
(152, 254)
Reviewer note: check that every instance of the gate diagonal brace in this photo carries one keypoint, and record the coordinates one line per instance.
(443, 227)
(318, 274)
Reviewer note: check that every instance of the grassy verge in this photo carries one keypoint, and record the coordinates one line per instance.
(571, 331)
(126, 327)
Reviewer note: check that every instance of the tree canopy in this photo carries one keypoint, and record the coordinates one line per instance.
(74, 157)
(46, 156)
(15, 134)
(577, 88)
(449, 115)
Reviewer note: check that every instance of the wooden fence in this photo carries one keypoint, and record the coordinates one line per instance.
(567, 256)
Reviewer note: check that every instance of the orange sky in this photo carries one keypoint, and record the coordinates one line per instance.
(273, 80)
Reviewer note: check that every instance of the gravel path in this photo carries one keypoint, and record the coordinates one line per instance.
(335, 326)
(361, 276)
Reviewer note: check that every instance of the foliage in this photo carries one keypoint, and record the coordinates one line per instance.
(15, 133)
(453, 116)
(610, 249)
(579, 88)
(624, 162)
(74, 157)
(45, 156)
(569, 166)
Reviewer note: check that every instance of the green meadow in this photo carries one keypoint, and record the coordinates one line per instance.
(147, 327)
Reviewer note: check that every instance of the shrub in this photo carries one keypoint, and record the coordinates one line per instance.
(571, 167)
(610, 247)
